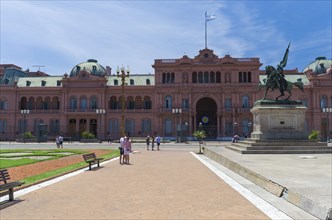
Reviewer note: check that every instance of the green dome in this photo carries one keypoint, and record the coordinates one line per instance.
(319, 66)
(92, 66)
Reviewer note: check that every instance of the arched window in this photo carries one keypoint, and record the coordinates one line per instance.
(164, 78)
(206, 77)
(218, 79)
(168, 102)
(194, 77)
(245, 101)
(172, 78)
(240, 77)
(200, 77)
(212, 77)
(168, 79)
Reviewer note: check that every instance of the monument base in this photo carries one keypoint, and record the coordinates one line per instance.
(278, 120)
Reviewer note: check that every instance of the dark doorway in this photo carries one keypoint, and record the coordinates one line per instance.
(206, 109)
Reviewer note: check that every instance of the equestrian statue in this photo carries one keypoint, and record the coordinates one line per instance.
(276, 79)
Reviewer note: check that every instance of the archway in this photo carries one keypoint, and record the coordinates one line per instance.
(206, 109)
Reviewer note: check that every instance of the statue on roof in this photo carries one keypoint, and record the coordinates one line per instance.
(276, 79)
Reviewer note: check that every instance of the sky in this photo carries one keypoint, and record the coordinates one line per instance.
(54, 36)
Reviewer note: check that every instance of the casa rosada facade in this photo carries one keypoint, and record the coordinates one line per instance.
(183, 95)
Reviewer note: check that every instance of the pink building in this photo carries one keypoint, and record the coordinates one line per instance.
(185, 94)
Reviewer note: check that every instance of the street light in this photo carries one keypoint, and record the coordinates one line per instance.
(24, 112)
(99, 113)
(249, 128)
(235, 128)
(177, 112)
(122, 73)
(187, 131)
(328, 111)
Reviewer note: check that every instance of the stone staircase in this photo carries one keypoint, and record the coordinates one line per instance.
(252, 146)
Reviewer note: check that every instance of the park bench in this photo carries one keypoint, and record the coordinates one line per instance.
(91, 159)
(7, 188)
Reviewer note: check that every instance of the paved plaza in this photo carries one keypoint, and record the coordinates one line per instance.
(173, 183)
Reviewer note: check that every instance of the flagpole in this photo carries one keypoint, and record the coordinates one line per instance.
(205, 31)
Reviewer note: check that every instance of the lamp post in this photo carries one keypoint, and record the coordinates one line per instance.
(249, 128)
(177, 112)
(99, 113)
(235, 128)
(187, 131)
(327, 111)
(122, 73)
(24, 112)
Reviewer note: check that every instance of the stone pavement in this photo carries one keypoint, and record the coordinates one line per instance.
(303, 180)
(165, 184)
(172, 184)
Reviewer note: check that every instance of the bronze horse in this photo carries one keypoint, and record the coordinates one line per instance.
(270, 83)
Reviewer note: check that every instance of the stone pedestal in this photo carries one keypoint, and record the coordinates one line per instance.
(274, 120)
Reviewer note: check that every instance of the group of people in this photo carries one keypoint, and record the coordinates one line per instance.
(59, 141)
(125, 150)
(153, 141)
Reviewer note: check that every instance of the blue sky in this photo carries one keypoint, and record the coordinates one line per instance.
(60, 34)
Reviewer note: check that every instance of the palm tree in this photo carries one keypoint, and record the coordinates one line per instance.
(200, 135)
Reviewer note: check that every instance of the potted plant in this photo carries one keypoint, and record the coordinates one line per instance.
(200, 135)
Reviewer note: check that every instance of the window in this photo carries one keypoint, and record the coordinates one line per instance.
(113, 126)
(129, 127)
(212, 77)
(58, 83)
(84, 104)
(305, 102)
(164, 78)
(73, 103)
(54, 126)
(3, 104)
(168, 127)
(146, 126)
(168, 102)
(240, 77)
(245, 101)
(194, 76)
(116, 82)
(93, 103)
(228, 103)
(148, 82)
(3, 125)
(185, 103)
(132, 82)
(28, 83)
(200, 77)
(323, 102)
(147, 104)
(206, 77)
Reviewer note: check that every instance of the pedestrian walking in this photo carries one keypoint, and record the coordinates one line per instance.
(121, 148)
(61, 141)
(57, 142)
(153, 140)
(158, 140)
(127, 151)
(147, 142)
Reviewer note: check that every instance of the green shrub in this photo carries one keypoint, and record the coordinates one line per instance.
(88, 135)
(27, 135)
(314, 135)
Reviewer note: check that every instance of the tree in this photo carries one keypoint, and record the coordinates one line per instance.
(200, 135)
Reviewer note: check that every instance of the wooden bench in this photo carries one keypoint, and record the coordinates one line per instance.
(7, 187)
(91, 159)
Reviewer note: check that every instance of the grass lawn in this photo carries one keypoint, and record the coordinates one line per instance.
(14, 158)
(58, 172)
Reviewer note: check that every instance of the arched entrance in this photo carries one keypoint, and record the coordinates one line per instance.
(206, 109)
